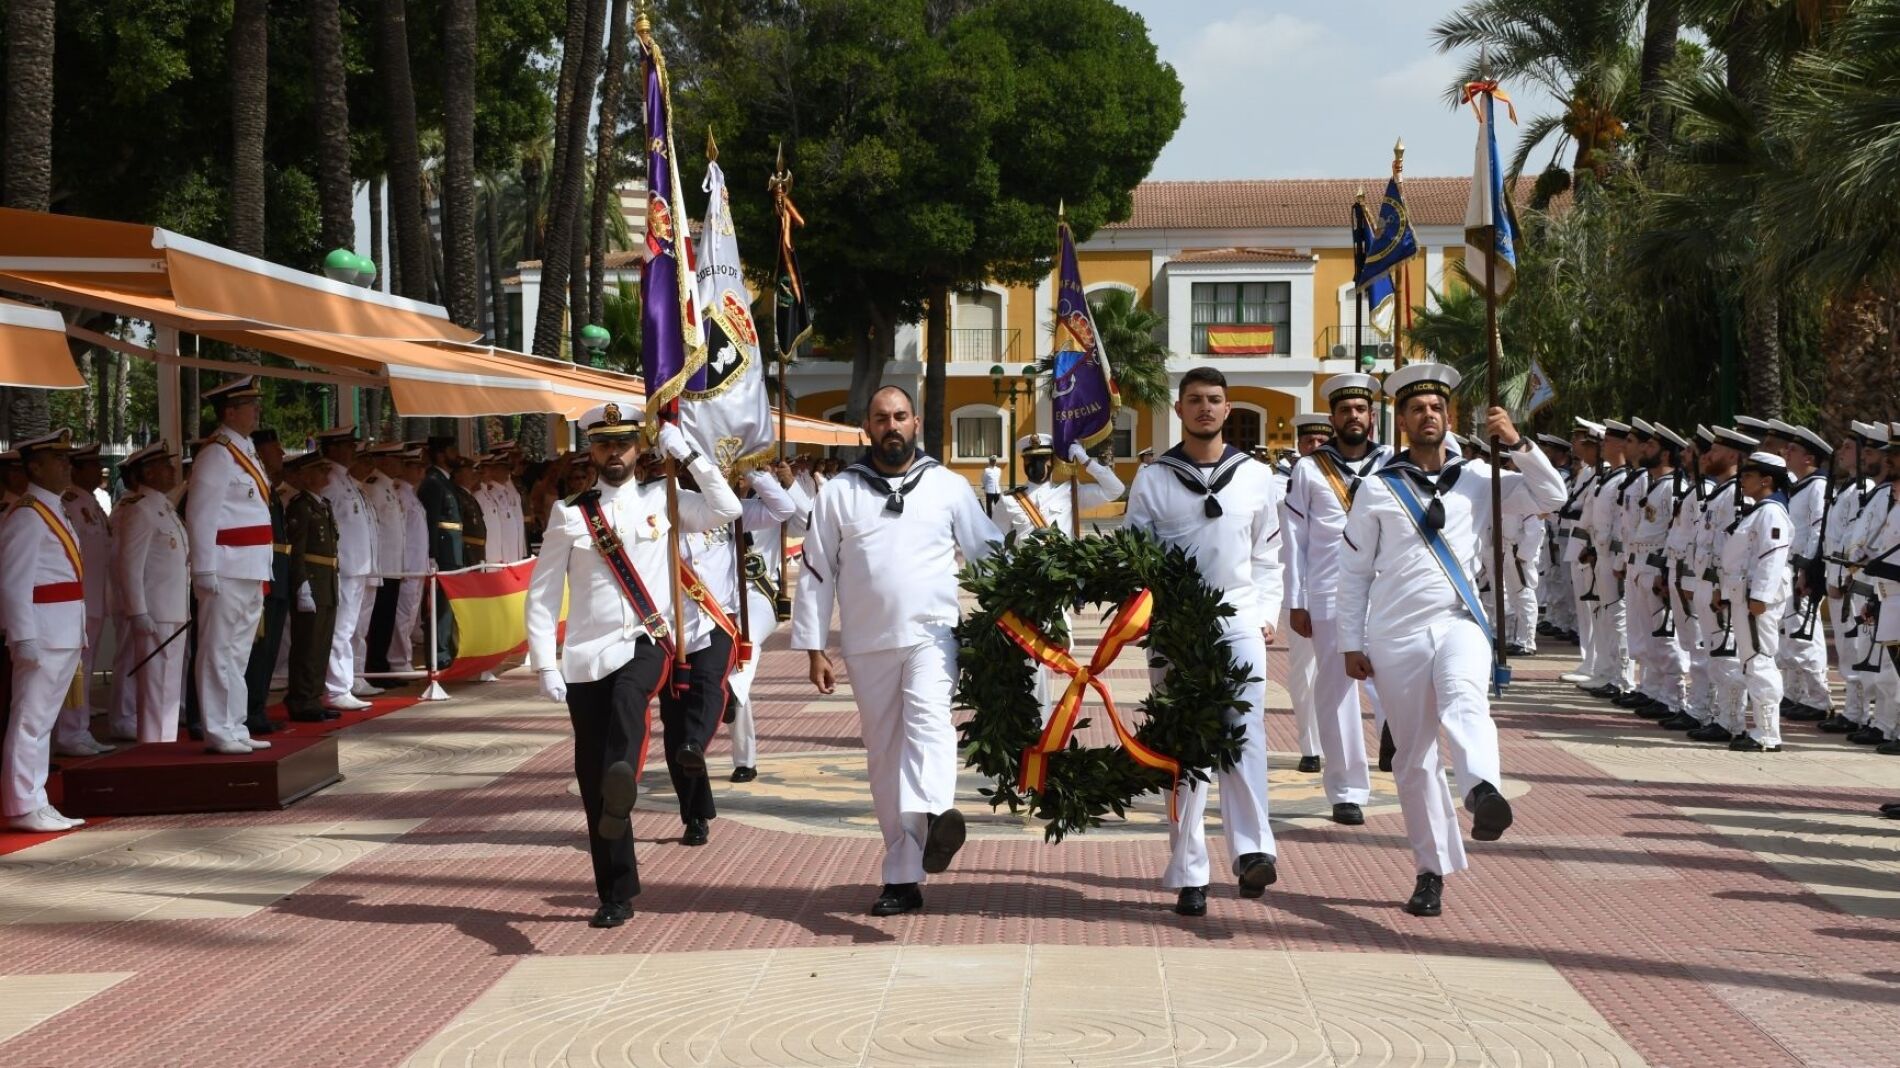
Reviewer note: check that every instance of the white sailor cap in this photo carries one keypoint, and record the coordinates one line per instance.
(337, 435)
(1554, 441)
(1314, 422)
(386, 448)
(1893, 436)
(1615, 428)
(244, 387)
(1145, 452)
(1418, 378)
(1870, 433)
(1035, 445)
(1704, 436)
(1349, 387)
(1759, 428)
(1588, 428)
(1642, 428)
(1473, 445)
(412, 454)
(86, 452)
(1816, 445)
(504, 446)
(157, 450)
(1734, 439)
(611, 420)
(58, 441)
(1669, 435)
(1781, 429)
(1766, 463)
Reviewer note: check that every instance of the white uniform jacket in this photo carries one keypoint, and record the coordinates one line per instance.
(415, 530)
(713, 559)
(42, 593)
(1755, 557)
(1680, 543)
(1572, 530)
(227, 510)
(385, 506)
(1384, 561)
(1238, 551)
(149, 566)
(894, 574)
(95, 547)
(1315, 518)
(1051, 500)
(1653, 513)
(356, 534)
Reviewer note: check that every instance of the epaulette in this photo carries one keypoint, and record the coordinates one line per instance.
(574, 501)
(131, 498)
(69, 495)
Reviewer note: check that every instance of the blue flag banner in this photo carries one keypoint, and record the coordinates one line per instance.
(1387, 242)
(1085, 399)
(1490, 225)
(671, 347)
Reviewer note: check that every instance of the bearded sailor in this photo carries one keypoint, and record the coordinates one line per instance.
(1045, 504)
(1804, 642)
(1859, 457)
(1318, 501)
(607, 548)
(883, 546)
(1212, 501)
(1409, 615)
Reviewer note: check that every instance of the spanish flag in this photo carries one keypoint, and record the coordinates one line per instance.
(491, 626)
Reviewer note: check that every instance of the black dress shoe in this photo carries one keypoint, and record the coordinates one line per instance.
(618, 789)
(744, 774)
(1838, 725)
(308, 717)
(1890, 748)
(1605, 690)
(1309, 764)
(696, 833)
(1742, 743)
(1490, 812)
(1653, 710)
(1868, 735)
(943, 836)
(1256, 872)
(1520, 649)
(1428, 895)
(1804, 714)
(1349, 814)
(1681, 721)
(1191, 901)
(1891, 808)
(690, 759)
(611, 914)
(1711, 732)
(897, 899)
(331, 713)
(259, 727)
(1632, 700)
(1387, 749)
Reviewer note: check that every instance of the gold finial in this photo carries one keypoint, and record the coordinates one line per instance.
(1361, 195)
(1398, 157)
(1061, 208)
(781, 180)
(712, 146)
(642, 23)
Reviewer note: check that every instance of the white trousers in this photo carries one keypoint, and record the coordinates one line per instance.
(1853, 702)
(1243, 788)
(1663, 662)
(910, 744)
(1695, 680)
(1885, 698)
(227, 628)
(743, 734)
(349, 609)
(1803, 661)
(1431, 679)
(154, 696)
(122, 717)
(408, 610)
(1586, 616)
(38, 692)
(1520, 599)
(1342, 733)
(1554, 592)
(1757, 639)
(75, 717)
(1608, 638)
(1299, 687)
(359, 639)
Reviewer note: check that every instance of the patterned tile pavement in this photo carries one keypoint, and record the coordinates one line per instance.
(1656, 903)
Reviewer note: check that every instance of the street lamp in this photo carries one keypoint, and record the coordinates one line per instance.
(1015, 389)
(595, 339)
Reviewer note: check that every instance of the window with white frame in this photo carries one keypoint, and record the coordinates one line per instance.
(1124, 436)
(1262, 304)
(976, 432)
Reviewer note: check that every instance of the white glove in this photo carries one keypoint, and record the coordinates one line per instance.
(674, 442)
(305, 601)
(26, 652)
(145, 624)
(1078, 455)
(553, 686)
(205, 583)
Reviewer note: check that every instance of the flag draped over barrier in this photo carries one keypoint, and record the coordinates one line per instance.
(490, 618)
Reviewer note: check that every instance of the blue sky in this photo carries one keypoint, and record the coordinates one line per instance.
(1313, 88)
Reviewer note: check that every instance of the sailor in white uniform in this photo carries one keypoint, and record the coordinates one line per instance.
(883, 546)
(1603, 517)
(1319, 498)
(415, 557)
(618, 643)
(227, 515)
(1685, 570)
(1045, 504)
(1586, 443)
(150, 569)
(1555, 599)
(765, 515)
(1310, 431)
(356, 542)
(1409, 615)
(1756, 584)
(1881, 570)
(1651, 507)
(1211, 500)
(377, 621)
(43, 611)
(1803, 653)
(1870, 539)
(72, 737)
(1858, 457)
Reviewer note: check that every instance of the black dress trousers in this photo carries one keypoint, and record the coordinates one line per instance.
(693, 715)
(610, 725)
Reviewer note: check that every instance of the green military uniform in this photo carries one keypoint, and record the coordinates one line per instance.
(474, 528)
(310, 530)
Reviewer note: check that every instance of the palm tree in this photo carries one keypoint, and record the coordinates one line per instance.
(620, 314)
(1137, 357)
(413, 259)
(606, 155)
(459, 263)
(335, 191)
(580, 65)
(250, 109)
(29, 157)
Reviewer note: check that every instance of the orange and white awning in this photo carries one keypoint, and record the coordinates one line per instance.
(33, 349)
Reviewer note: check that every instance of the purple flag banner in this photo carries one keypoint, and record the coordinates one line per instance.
(1084, 397)
(671, 347)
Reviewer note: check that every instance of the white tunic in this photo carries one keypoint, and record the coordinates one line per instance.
(95, 547)
(356, 535)
(385, 506)
(713, 559)
(1755, 557)
(1572, 532)
(37, 560)
(415, 529)
(1382, 548)
(149, 564)
(1315, 519)
(1653, 513)
(1238, 551)
(893, 574)
(227, 510)
(602, 625)
(1052, 500)
(1848, 499)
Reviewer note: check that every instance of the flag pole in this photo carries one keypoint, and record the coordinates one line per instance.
(1055, 340)
(781, 181)
(743, 642)
(1497, 465)
(1405, 273)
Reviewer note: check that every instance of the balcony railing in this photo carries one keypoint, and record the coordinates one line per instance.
(983, 346)
(1334, 343)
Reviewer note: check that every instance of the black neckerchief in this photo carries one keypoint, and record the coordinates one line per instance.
(1603, 480)
(1357, 468)
(1658, 484)
(893, 497)
(1623, 489)
(1447, 478)
(1189, 474)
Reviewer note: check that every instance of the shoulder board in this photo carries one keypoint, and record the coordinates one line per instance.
(576, 500)
(69, 495)
(132, 498)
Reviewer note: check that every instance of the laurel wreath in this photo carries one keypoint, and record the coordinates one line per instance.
(1040, 577)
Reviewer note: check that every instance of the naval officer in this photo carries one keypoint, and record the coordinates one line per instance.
(151, 570)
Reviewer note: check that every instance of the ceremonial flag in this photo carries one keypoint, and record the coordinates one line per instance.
(1490, 223)
(1380, 248)
(793, 318)
(671, 349)
(1085, 399)
(1540, 390)
(724, 405)
(491, 623)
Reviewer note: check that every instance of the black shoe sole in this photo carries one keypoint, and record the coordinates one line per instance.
(1424, 910)
(1200, 910)
(1257, 877)
(691, 762)
(618, 791)
(1354, 818)
(605, 922)
(896, 908)
(1490, 818)
(744, 774)
(946, 836)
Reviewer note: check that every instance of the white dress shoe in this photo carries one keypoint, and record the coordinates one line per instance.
(364, 688)
(42, 821)
(256, 744)
(230, 748)
(345, 703)
(487, 676)
(1574, 676)
(76, 752)
(101, 747)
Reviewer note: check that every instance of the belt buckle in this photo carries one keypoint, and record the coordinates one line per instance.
(656, 626)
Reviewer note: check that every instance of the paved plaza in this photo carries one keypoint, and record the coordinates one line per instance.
(1656, 903)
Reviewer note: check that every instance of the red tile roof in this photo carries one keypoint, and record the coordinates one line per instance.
(1291, 203)
(1243, 255)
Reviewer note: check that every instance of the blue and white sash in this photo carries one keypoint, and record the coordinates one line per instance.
(1435, 541)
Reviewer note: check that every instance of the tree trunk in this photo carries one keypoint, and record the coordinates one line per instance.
(250, 100)
(29, 158)
(335, 190)
(405, 163)
(876, 347)
(533, 168)
(1861, 334)
(376, 232)
(570, 141)
(606, 156)
(1660, 26)
(577, 296)
(497, 294)
(460, 292)
(121, 398)
(1761, 355)
(937, 344)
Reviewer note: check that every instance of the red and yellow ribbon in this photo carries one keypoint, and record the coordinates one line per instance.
(1128, 626)
(64, 536)
(1472, 89)
(251, 469)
